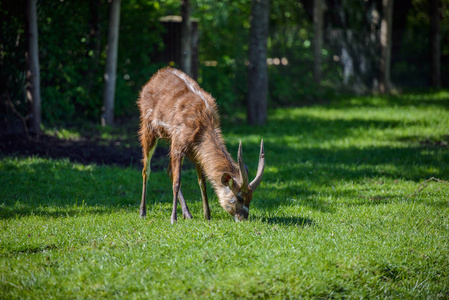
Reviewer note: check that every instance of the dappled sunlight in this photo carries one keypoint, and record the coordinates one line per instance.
(353, 203)
(353, 143)
(438, 99)
(316, 157)
(324, 157)
(342, 193)
(63, 133)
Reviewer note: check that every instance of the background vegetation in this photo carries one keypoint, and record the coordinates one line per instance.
(72, 38)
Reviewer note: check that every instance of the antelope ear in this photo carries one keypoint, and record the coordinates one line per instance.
(227, 180)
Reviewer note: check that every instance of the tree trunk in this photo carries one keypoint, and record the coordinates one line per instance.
(110, 75)
(186, 38)
(257, 71)
(386, 29)
(33, 93)
(435, 52)
(318, 10)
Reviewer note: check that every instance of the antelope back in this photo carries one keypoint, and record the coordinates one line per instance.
(173, 105)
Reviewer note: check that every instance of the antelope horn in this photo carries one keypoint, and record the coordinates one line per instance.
(242, 169)
(255, 183)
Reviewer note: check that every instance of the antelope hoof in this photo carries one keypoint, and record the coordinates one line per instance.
(143, 212)
(187, 215)
(173, 219)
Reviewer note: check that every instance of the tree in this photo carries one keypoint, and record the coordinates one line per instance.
(110, 75)
(186, 38)
(318, 9)
(435, 51)
(257, 70)
(32, 62)
(386, 29)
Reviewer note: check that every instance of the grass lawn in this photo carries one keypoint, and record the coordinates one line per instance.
(338, 215)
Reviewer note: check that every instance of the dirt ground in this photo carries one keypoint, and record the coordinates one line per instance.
(85, 150)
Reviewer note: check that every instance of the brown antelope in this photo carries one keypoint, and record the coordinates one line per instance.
(174, 107)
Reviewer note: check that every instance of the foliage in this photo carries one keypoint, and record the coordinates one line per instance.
(289, 44)
(73, 73)
(72, 40)
(137, 43)
(67, 60)
(219, 23)
(12, 58)
(333, 217)
(227, 83)
(411, 68)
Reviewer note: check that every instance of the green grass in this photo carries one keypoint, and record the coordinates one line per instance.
(333, 217)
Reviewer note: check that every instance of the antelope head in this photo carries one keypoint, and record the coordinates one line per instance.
(238, 192)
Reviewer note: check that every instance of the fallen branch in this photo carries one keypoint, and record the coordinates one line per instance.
(424, 184)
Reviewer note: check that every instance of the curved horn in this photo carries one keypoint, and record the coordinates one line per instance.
(242, 168)
(255, 183)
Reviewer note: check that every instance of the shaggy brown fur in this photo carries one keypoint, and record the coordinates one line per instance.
(173, 107)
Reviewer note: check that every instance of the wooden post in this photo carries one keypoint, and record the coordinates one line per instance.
(257, 70)
(33, 90)
(110, 74)
(186, 38)
(386, 29)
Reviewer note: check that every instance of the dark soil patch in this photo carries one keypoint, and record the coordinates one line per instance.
(429, 142)
(85, 150)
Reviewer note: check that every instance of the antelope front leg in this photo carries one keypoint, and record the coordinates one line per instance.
(202, 184)
(143, 205)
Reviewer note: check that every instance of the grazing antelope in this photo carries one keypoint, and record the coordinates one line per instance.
(173, 107)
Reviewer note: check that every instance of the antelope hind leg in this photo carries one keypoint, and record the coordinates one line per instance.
(176, 179)
(185, 209)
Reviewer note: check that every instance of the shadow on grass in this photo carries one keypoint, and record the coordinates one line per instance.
(288, 221)
(413, 162)
(60, 188)
(8, 212)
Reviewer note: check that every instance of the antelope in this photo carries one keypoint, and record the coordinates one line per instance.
(173, 107)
